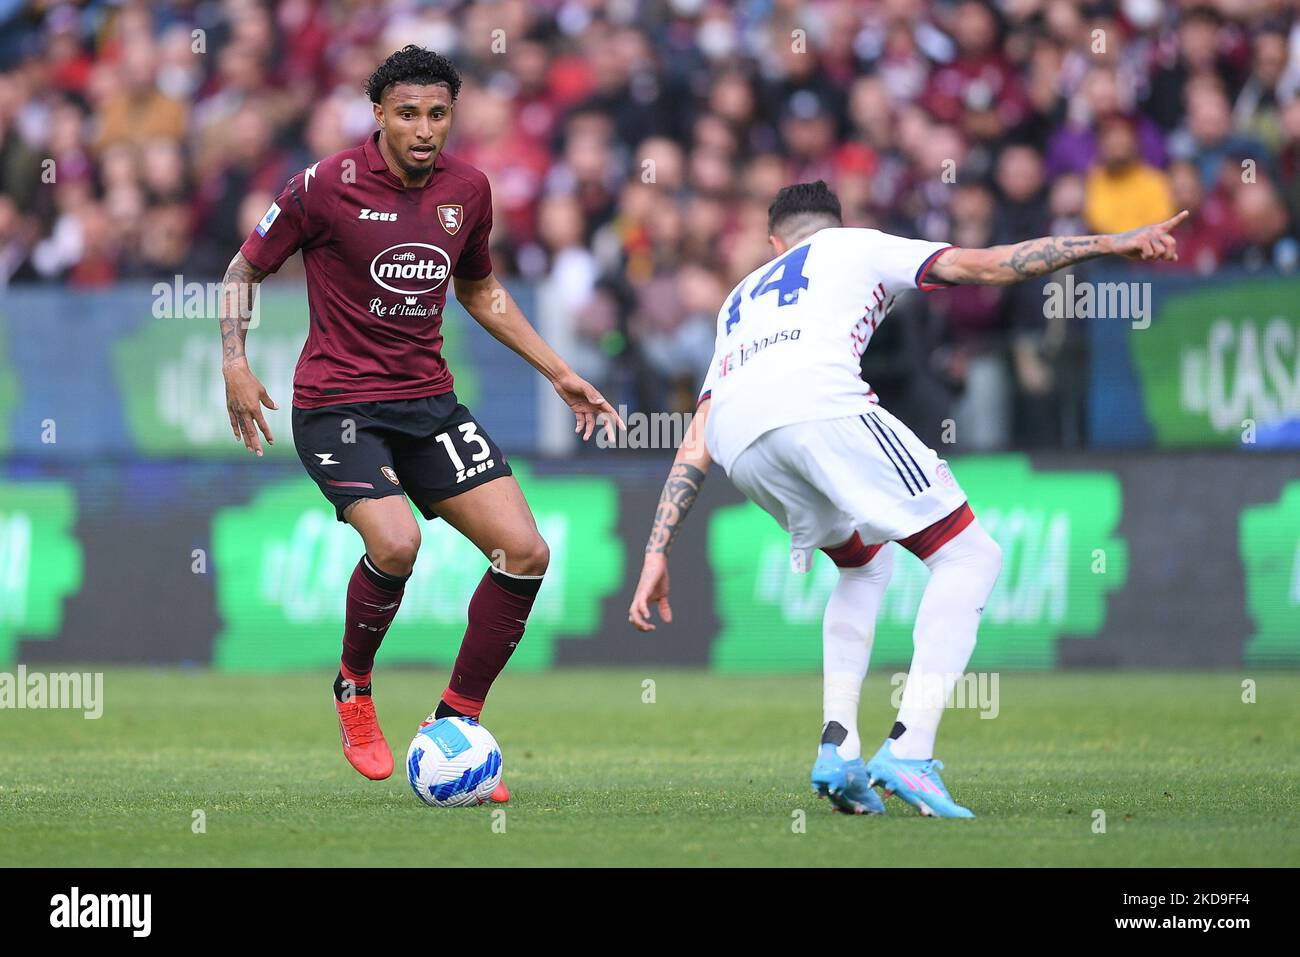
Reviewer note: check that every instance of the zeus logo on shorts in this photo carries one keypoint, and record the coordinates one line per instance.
(462, 474)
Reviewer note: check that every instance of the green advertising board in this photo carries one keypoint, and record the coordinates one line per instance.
(283, 562)
(1219, 359)
(168, 373)
(1061, 558)
(40, 560)
(1270, 552)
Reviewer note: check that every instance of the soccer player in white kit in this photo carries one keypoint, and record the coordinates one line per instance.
(786, 413)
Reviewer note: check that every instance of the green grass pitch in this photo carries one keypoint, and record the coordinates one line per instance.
(714, 772)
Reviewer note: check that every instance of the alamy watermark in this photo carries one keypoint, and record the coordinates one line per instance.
(649, 430)
(65, 690)
(179, 299)
(128, 911)
(1067, 299)
(977, 690)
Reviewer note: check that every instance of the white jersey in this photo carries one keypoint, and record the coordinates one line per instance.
(791, 335)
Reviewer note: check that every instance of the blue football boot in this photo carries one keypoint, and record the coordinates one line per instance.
(844, 782)
(915, 781)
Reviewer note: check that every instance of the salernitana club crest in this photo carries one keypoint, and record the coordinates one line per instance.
(451, 216)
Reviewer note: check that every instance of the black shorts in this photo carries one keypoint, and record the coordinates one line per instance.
(430, 449)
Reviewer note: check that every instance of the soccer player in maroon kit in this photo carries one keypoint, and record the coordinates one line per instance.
(383, 228)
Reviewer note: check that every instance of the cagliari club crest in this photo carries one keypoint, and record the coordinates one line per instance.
(451, 217)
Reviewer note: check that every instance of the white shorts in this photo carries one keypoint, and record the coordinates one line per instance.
(826, 479)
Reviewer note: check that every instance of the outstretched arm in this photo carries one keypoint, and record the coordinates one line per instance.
(495, 310)
(245, 395)
(1003, 265)
(690, 466)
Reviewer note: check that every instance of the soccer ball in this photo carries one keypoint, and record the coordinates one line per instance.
(453, 762)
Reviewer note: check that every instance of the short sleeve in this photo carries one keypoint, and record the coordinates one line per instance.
(281, 232)
(903, 263)
(475, 260)
(706, 390)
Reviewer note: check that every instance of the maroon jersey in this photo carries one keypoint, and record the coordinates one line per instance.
(379, 257)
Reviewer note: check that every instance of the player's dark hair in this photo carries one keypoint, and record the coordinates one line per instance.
(812, 201)
(412, 64)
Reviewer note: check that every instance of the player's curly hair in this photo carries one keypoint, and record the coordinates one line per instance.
(811, 200)
(412, 64)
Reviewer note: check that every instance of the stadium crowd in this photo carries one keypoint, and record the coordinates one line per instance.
(633, 147)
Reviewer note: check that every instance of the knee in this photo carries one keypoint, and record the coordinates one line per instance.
(394, 551)
(530, 557)
(992, 553)
(985, 556)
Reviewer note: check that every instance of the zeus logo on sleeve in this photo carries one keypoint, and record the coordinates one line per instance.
(268, 220)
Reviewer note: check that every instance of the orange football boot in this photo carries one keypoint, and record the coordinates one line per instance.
(363, 742)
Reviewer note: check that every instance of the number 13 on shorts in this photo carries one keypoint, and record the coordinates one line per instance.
(481, 458)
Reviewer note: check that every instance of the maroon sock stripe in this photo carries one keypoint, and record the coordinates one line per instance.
(853, 553)
(925, 542)
(933, 537)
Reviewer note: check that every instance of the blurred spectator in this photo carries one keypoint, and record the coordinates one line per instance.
(674, 327)
(1195, 49)
(13, 243)
(20, 166)
(1210, 231)
(1124, 192)
(138, 111)
(1263, 219)
(979, 89)
(572, 287)
(1022, 182)
(1074, 147)
(1256, 111)
(974, 321)
(1289, 159)
(1207, 136)
(1047, 352)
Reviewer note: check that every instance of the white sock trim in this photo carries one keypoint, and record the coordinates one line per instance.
(531, 578)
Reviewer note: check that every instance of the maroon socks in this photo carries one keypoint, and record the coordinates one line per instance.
(373, 599)
(497, 614)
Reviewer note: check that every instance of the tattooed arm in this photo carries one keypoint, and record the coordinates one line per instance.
(245, 395)
(1003, 265)
(690, 467)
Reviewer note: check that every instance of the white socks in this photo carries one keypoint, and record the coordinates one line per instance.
(962, 575)
(848, 629)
